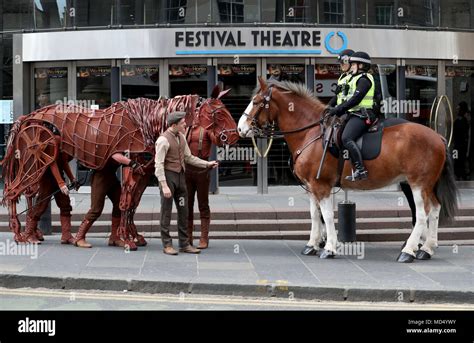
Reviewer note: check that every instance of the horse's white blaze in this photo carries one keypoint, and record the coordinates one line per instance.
(328, 215)
(243, 127)
(316, 225)
(431, 242)
(412, 243)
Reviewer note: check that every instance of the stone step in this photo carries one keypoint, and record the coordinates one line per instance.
(445, 235)
(249, 214)
(268, 224)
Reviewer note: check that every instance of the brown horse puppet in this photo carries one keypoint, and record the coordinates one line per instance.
(409, 151)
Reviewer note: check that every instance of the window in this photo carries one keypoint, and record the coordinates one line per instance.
(93, 85)
(52, 14)
(188, 79)
(296, 11)
(93, 13)
(17, 15)
(231, 11)
(176, 11)
(457, 13)
(50, 86)
(421, 89)
(334, 11)
(428, 5)
(140, 81)
(383, 15)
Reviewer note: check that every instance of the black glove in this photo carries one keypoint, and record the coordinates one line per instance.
(137, 167)
(334, 111)
(74, 185)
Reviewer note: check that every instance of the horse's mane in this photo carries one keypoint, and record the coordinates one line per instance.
(298, 89)
(150, 115)
(147, 114)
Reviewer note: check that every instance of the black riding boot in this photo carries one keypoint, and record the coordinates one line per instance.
(356, 158)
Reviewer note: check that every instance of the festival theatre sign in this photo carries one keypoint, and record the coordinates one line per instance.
(258, 42)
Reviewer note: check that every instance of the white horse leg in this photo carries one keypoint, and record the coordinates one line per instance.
(315, 235)
(328, 215)
(324, 233)
(421, 220)
(431, 242)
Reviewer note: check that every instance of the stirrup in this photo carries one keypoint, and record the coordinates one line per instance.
(358, 175)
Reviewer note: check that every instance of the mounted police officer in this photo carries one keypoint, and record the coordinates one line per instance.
(342, 83)
(358, 105)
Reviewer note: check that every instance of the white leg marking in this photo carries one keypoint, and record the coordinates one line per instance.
(328, 215)
(431, 242)
(315, 235)
(412, 243)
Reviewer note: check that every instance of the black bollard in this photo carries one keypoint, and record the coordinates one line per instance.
(346, 214)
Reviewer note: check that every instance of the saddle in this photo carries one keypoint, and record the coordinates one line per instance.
(370, 143)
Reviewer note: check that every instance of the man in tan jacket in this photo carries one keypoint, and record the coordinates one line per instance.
(172, 153)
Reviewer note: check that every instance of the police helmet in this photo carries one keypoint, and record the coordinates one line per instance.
(345, 55)
(361, 57)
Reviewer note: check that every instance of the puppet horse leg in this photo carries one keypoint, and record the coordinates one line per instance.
(137, 238)
(31, 225)
(15, 225)
(124, 231)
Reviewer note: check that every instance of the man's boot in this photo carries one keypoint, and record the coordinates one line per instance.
(30, 231)
(80, 240)
(66, 236)
(204, 240)
(189, 231)
(357, 161)
(114, 239)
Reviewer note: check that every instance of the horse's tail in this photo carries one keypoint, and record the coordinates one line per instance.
(446, 190)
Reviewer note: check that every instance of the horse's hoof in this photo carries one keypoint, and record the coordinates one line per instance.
(422, 255)
(327, 254)
(309, 251)
(322, 244)
(140, 241)
(130, 246)
(405, 258)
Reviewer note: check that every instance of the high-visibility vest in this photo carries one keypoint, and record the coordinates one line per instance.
(342, 81)
(368, 101)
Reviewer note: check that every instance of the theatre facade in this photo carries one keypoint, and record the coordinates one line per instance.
(424, 73)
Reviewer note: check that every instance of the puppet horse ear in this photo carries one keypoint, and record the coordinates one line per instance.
(215, 92)
(223, 93)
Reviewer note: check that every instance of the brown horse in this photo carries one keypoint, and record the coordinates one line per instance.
(410, 152)
(144, 121)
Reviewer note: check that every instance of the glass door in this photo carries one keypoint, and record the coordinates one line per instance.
(93, 88)
(238, 164)
(279, 171)
(459, 80)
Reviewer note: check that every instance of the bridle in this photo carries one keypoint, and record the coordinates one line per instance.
(267, 130)
(223, 137)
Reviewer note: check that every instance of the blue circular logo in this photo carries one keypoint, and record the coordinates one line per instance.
(330, 48)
